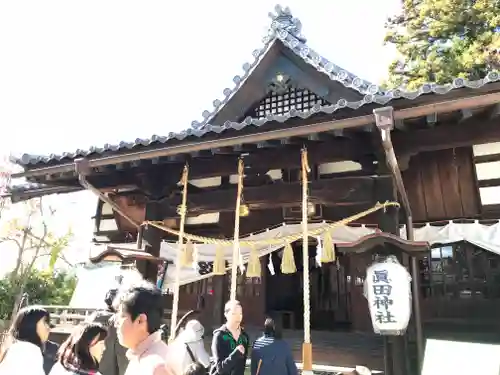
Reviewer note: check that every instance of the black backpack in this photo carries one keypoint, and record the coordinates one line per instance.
(193, 358)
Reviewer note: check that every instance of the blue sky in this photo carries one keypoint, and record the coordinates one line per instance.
(76, 74)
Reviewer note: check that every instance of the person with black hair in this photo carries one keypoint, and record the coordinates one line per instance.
(271, 354)
(195, 368)
(81, 352)
(114, 360)
(230, 343)
(138, 323)
(21, 352)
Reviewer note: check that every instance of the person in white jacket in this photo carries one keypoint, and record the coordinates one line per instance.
(188, 348)
(21, 352)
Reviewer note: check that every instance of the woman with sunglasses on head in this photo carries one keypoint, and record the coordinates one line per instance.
(81, 352)
(21, 352)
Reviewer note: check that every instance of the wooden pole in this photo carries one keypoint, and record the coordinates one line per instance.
(236, 243)
(180, 244)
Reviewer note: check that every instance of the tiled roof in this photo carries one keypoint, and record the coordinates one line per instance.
(287, 30)
(29, 190)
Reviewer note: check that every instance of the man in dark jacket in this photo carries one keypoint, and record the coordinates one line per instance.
(230, 343)
(113, 361)
(271, 354)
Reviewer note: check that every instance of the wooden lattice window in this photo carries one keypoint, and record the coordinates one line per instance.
(460, 271)
(200, 287)
(246, 286)
(282, 103)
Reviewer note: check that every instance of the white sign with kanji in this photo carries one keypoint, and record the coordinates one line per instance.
(388, 291)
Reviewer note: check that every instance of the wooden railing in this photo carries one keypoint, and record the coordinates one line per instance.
(66, 317)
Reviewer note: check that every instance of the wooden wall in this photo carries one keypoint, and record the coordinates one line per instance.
(459, 288)
(441, 185)
(460, 284)
(250, 292)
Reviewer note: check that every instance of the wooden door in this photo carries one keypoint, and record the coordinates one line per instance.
(250, 291)
(360, 314)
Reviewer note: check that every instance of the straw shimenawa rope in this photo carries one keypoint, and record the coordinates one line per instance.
(275, 240)
(178, 265)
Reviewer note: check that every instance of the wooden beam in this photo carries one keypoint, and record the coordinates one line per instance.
(329, 192)
(492, 182)
(285, 157)
(486, 158)
(491, 211)
(466, 133)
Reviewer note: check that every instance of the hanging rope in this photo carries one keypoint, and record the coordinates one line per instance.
(277, 240)
(236, 240)
(306, 350)
(182, 211)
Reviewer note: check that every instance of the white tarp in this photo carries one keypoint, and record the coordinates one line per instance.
(484, 236)
(94, 282)
(455, 357)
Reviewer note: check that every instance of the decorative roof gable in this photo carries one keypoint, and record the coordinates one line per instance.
(288, 30)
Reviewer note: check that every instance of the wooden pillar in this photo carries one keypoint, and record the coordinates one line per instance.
(395, 355)
(220, 289)
(152, 240)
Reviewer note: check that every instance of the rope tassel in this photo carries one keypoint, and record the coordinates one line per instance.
(288, 261)
(187, 256)
(219, 263)
(328, 253)
(254, 267)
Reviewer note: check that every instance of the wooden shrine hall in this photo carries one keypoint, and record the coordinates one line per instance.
(427, 149)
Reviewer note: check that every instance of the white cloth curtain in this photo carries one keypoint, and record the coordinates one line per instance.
(484, 236)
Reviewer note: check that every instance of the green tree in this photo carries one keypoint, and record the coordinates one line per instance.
(42, 287)
(439, 40)
(26, 230)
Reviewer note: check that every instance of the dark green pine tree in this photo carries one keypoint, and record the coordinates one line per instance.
(438, 40)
